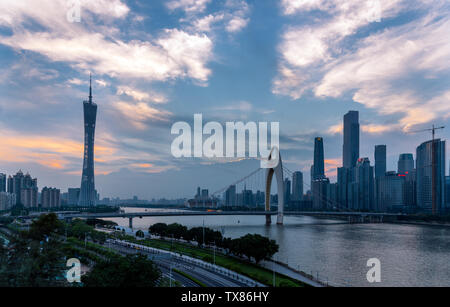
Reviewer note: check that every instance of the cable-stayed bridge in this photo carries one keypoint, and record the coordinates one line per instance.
(259, 181)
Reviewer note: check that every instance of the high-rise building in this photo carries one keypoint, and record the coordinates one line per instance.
(230, 196)
(19, 182)
(406, 169)
(343, 182)
(405, 163)
(287, 191)
(205, 194)
(29, 197)
(447, 193)
(332, 194)
(390, 192)
(319, 192)
(427, 168)
(319, 159)
(2, 182)
(351, 139)
(260, 198)
(380, 171)
(73, 196)
(364, 178)
(297, 186)
(7, 200)
(87, 192)
(50, 198)
(380, 161)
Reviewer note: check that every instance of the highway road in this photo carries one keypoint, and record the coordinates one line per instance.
(165, 263)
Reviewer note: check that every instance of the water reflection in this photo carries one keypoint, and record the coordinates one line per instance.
(410, 255)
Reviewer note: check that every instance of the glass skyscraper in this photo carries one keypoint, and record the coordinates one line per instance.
(365, 185)
(405, 163)
(87, 192)
(2, 182)
(297, 186)
(425, 174)
(380, 161)
(319, 159)
(351, 139)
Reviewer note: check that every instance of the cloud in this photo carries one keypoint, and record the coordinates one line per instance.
(76, 81)
(231, 17)
(381, 69)
(189, 6)
(205, 24)
(138, 114)
(52, 152)
(138, 95)
(237, 24)
(172, 54)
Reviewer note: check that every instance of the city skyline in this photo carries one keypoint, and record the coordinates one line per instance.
(224, 75)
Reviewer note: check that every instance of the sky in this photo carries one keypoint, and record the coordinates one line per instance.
(302, 63)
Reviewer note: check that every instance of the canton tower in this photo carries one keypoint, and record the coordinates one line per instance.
(87, 191)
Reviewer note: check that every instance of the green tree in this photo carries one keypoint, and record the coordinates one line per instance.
(32, 263)
(130, 271)
(176, 230)
(44, 226)
(159, 229)
(257, 247)
(140, 234)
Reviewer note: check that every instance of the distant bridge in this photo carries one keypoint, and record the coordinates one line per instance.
(353, 216)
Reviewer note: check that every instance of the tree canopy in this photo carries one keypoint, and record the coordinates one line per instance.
(130, 271)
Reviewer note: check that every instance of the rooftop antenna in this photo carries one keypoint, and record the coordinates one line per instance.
(90, 88)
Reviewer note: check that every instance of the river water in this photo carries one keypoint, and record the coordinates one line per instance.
(410, 255)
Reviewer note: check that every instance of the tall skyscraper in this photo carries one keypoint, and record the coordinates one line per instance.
(447, 193)
(343, 182)
(87, 191)
(2, 182)
(364, 178)
(351, 139)
(425, 172)
(390, 192)
(405, 163)
(287, 191)
(297, 186)
(380, 161)
(230, 196)
(319, 159)
(319, 189)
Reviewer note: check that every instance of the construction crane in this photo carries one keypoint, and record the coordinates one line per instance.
(433, 164)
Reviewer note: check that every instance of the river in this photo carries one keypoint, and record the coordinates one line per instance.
(410, 255)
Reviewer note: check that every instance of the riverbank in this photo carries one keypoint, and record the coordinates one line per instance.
(257, 272)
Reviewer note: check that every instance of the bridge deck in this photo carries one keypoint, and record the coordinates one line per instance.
(223, 213)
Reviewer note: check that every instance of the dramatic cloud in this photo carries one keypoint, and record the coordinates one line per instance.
(140, 113)
(174, 54)
(53, 152)
(377, 67)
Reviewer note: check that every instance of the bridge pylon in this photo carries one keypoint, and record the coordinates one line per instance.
(278, 171)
